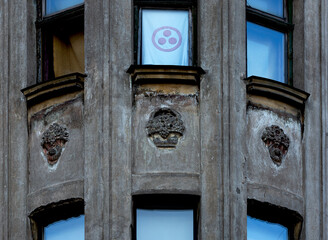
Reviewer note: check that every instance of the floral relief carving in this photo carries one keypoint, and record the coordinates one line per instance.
(53, 142)
(277, 143)
(165, 128)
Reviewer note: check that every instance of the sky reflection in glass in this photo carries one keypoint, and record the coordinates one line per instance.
(164, 224)
(274, 7)
(265, 52)
(53, 6)
(260, 230)
(72, 229)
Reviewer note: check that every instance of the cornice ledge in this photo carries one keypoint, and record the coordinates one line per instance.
(50, 89)
(142, 74)
(276, 91)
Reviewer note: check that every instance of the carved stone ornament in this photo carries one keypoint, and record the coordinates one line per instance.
(165, 128)
(53, 142)
(277, 142)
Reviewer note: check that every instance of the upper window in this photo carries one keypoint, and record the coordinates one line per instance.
(165, 32)
(165, 217)
(269, 38)
(60, 33)
(55, 6)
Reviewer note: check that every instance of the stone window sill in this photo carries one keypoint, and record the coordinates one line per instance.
(50, 89)
(145, 74)
(277, 91)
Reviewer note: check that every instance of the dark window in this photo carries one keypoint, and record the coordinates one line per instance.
(267, 221)
(165, 32)
(60, 34)
(165, 217)
(269, 39)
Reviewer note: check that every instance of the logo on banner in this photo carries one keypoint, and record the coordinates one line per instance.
(167, 39)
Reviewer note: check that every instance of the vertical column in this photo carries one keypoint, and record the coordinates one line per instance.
(21, 71)
(324, 109)
(223, 119)
(121, 39)
(236, 72)
(4, 79)
(107, 115)
(211, 118)
(97, 125)
(313, 120)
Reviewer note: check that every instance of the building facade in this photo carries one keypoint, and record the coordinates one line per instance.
(126, 133)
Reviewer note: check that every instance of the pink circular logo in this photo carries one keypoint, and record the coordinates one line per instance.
(167, 39)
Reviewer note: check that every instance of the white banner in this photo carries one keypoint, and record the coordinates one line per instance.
(165, 38)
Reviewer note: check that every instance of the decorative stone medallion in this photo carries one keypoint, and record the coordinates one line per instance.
(53, 142)
(165, 128)
(277, 142)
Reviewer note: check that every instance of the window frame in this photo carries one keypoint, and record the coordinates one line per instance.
(166, 202)
(275, 214)
(281, 24)
(47, 24)
(46, 215)
(190, 5)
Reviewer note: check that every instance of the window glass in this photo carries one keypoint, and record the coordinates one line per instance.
(259, 230)
(164, 224)
(165, 38)
(53, 6)
(265, 52)
(275, 7)
(72, 229)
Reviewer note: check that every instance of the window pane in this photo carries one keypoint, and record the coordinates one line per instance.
(165, 37)
(164, 224)
(53, 6)
(72, 228)
(259, 230)
(265, 52)
(275, 7)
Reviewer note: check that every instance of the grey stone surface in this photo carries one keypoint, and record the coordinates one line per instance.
(70, 165)
(4, 131)
(147, 157)
(109, 157)
(313, 228)
(260, 167)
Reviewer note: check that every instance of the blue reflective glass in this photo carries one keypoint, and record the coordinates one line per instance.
(260, 230)
(53, 6)
(265, 52)
(164, 224)
(72, 229)
(274, 7)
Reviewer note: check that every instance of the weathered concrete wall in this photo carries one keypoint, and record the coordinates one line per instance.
(222, 114)
(324, 109)
(220, 157)
(70, 165)
(4, 130)
(312, 143)
(268, 181)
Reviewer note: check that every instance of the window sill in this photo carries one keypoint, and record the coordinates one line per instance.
(143, 74)
(50, 89)
(276, 91)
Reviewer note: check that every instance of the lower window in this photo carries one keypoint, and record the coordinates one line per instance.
(258, 230)
(271, 222)
(72, 228)
(165, 217)
(58, 221)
